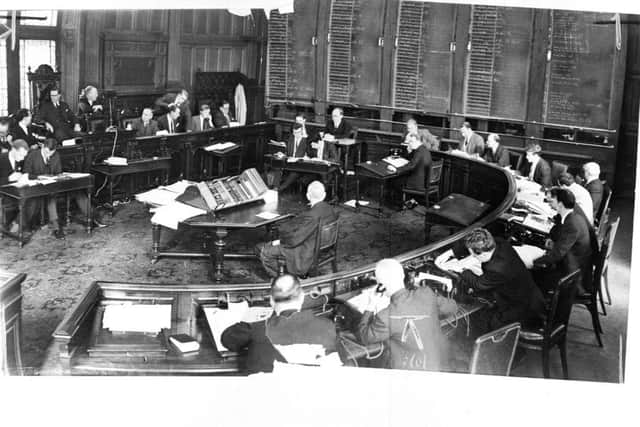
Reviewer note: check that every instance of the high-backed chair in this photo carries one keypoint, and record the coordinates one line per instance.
(603, 210)
(590, 298)
(432, 187)
(557, 169)
(610, 237)
(493, 352)
(554, 330)
(326, 251)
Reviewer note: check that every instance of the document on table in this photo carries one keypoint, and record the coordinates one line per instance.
(538, 222)
(526, 186)
(303, 354)
(396, 162)
(220, 319)
(75, 174)
(528, 254)
(170, 215)
(352, 203)
(359, 302)
(157, 197)
(220, 146)
(149, 318)
(178, 187)
(446, 281)
(68, 142)
(459, 265)
(267, 215)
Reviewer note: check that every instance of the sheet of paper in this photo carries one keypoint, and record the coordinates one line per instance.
(277, 143)
(303, 354)
(446, 281)
(220, 146)
(170, 215)
(359, 302)
(178, 187)
(396, 162)
(162, 132)
(459, 265)
(352, 203)
(68, 142)
(267, 215)
(538, 222)
(270, 196)
(75, 174)
(150, 318)
(528, 254)
(157, 197)
(220, 319)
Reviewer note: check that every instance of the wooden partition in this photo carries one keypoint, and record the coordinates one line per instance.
(10, 323)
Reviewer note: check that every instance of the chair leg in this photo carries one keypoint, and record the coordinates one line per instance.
(563, 358)
(334, 264)
(601, 299)
(597, 328)
(545, 362)
(605, 278)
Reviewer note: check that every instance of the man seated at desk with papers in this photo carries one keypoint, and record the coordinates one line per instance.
(11, 171)
(46, 162)
(297, 146)
(417, 167)
(410, 323)
(503, 273)
(290, 335)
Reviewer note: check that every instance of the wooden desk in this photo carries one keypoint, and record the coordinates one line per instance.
(455, 209)
(10, 322)
(219, 225)
(133, 167)
(63, 184)
(222, 158)
(319, 167)
(377, 171)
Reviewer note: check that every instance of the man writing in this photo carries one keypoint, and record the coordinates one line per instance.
(288, 325)
(297, 146)
(10, 171)
(297, 236)
(410, 324)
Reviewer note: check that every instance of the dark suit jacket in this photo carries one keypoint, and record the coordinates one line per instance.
(290, 327)
(475, 145)
(297, 236)
(506, 276)
(85, 112)
(342, 131)
(500, 157)
(6, 169)
(542, 174)
(19, 133)
(4, 142)
(389, 325)
(419, 162)
(34, 164)
(303, 147)
(62, 119)
(596, 189)
(185, 110)
(196, 125)
(219, 119)
(142, 130)
(163, 124)
(574, 247)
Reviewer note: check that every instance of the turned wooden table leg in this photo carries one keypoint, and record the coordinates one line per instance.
(155, 247)
(217, 254)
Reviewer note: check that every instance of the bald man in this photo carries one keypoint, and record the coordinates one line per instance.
(145, 125)
(297, 236)
(288, 325)
(410, 324)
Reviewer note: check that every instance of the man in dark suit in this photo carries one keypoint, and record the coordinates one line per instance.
(495, 152)
(297, 146)
(536, 168)
(222, 117)
(297, 236)
(593, 185)
(89, 108)
(473, 144)
(22, 131)
(11, 171)
(58, 117)
(410, 324)
(518, 298)
(5, 136)
(180, 100)
(169, 122)
(144, 125)
(419, 163)
(338, 126)
(573, 243)
(203, 121)
(427, 138)
(289, 325)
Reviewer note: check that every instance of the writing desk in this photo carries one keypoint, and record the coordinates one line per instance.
(221, 158)
(344, 145)
(133, 167)
(63, 184)
(379, 172)
(320, 167)
(219, 224)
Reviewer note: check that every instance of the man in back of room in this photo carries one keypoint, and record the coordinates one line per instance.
(594, 186)
(536, 168)
(427, 138)
(145, 125)
(58, 117)
(496, 152)
(169, 122)
(473, 144)
(203, 121)
(222, 117)
(338, 126)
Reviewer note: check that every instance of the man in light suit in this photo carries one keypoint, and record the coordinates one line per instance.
(473, 143)
(203, 121)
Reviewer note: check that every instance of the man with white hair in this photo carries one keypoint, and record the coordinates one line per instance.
(289, 325)
(593, 184)
(297, 236)
(411, 322)
(496, 152)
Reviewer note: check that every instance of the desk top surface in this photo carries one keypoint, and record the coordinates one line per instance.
(459, 208)
(62, 184)
(133, 166)
(250, 215)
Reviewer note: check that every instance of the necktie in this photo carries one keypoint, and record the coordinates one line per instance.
(205, 124)
(320, 149)
(295, 147)
(170, 126)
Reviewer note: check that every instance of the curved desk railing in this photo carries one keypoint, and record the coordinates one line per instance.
(474, 178)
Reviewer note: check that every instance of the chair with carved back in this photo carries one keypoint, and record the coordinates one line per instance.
(433, 186)
(590, 298)
(326, 249)
(493, 352)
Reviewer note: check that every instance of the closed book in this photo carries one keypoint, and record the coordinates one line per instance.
(183, 343)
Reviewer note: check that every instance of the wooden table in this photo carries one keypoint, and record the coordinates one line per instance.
(319, 167)
(379, 172)
(216, 227)
(133, 167)
(454, 210)
(222, 158)
(63, 184)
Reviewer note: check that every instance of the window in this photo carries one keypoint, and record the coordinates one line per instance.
(3, 79)
(33, 53)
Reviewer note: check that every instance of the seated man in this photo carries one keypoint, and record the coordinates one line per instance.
(169, 123)
(10, 171)
(593, 184)
(46, 161)
(22, 128)
(89, 107)
(536, 168)
(300, 118)
(518, 298)
(583, 198)
(410, 324)
(338, 126)
(288, 325)
(144, 125)
(180, 100)
(427, 138)
(222, 117)
(573, 243)
(297, 146)
(58, 117)
(495, 152)
(419, 162)
(297, 236)
(203, 121)
(473, 144)
(5, 136)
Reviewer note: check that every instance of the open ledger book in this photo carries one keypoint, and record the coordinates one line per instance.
(220, 319)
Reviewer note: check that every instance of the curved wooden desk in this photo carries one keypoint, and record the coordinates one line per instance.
(477, 179)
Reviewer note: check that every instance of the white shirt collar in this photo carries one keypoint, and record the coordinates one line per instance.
(24, 128)
(12, 160)
(566, 214)
(590, 180)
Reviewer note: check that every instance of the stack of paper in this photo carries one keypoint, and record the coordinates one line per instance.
(395, 161)
(538, 222)
(157, 197)
(359, 302)
(171, 214)
(459, 265)
(220, 146)
(149, 318)
(446, 281)
(219, 319)
(526, 186)
(528, 254)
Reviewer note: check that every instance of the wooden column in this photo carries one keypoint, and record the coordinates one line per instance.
(173, 53)
(71, 30)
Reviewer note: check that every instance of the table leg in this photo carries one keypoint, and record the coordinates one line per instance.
(111, 195)
(89, 215)
(68, 201)
(357, 192)
(346, 168)
(218, 254)
(221, 168)
(381, 199)
(155, 246)
(20, 221)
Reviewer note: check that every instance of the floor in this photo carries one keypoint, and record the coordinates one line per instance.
(59, 271)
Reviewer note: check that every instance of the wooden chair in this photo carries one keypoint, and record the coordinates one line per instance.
(326, 250)
(433, 187)
(590, 299)
(557, 169)
(515, 159)
(493, 352)
(554, 330)
(610, 237)
(353, 353)
(603, 210)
